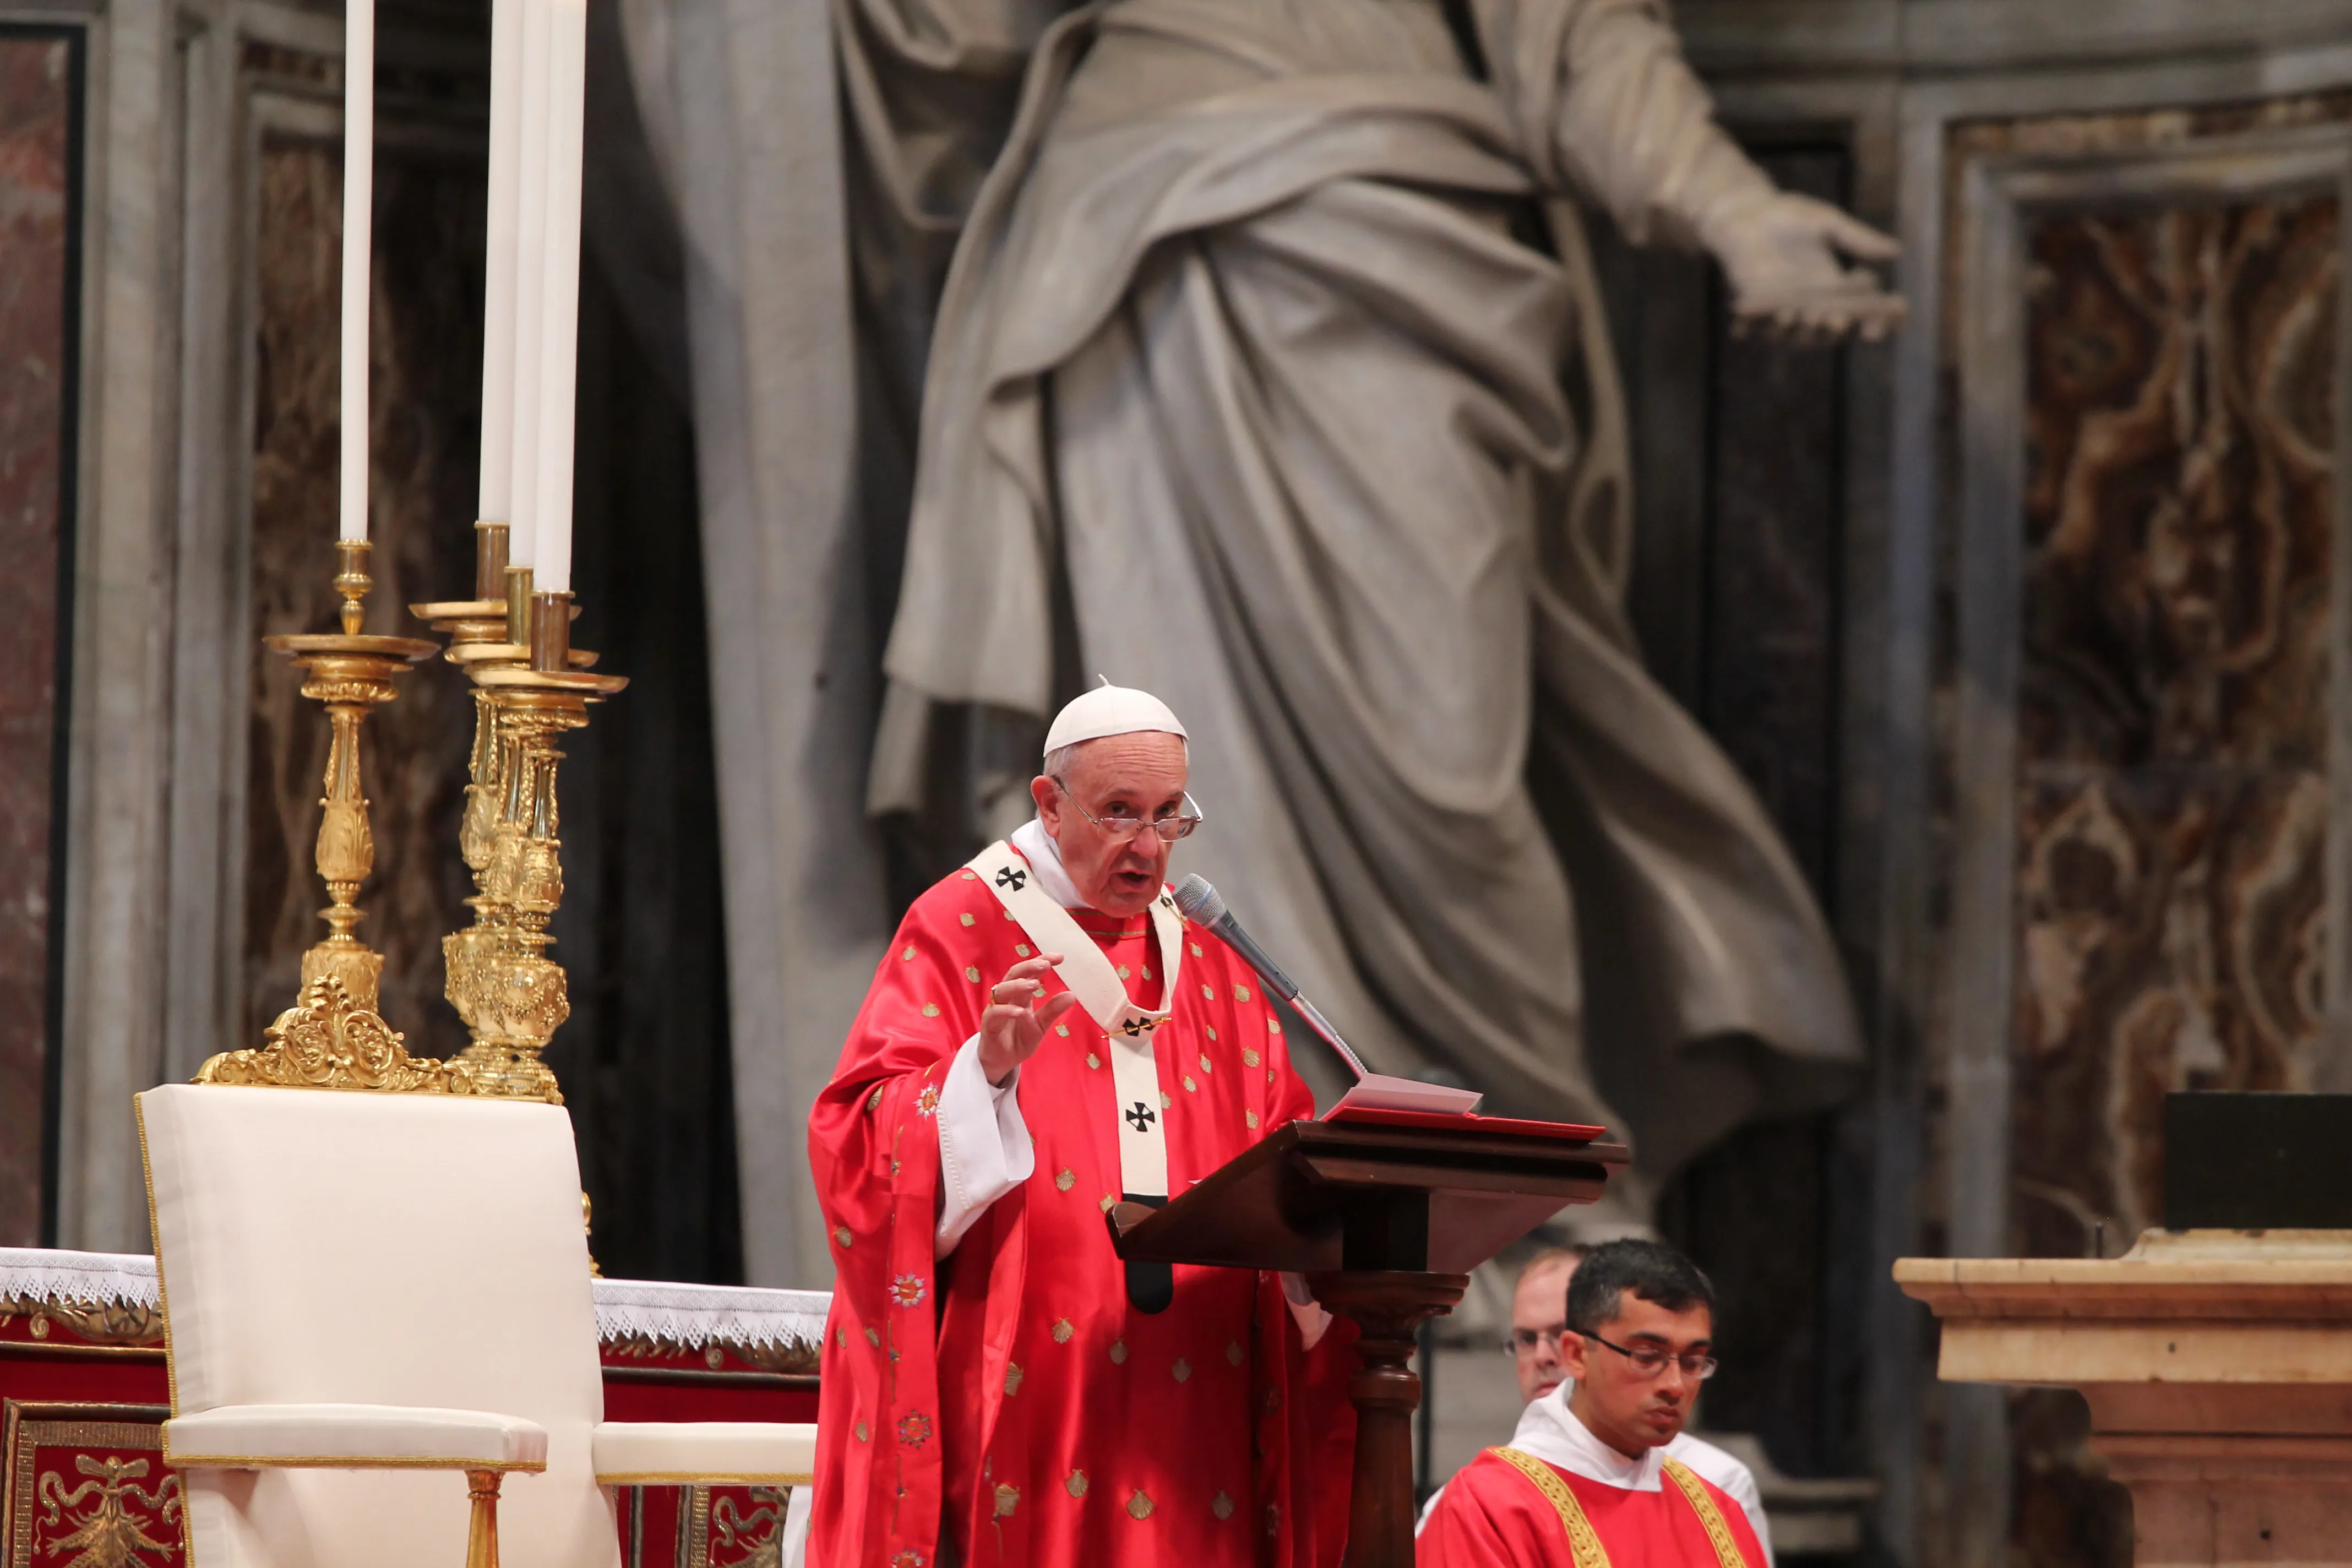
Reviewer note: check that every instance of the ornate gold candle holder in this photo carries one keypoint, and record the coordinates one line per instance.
(530, 687)
(351, 674)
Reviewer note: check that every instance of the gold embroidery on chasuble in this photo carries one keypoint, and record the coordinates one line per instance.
(1077, 1483)
(1718, 1533)
(1584, 1549)
(1138, 1505)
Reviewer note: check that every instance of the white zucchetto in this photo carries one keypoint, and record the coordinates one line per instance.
(1110, 709)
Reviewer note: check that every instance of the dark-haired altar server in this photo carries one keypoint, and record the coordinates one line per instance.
(1587, 1480)
(1045, 1035)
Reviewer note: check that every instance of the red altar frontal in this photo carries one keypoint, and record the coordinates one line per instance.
(84, 1394)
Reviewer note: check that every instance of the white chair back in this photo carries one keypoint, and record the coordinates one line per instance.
(320, 1246)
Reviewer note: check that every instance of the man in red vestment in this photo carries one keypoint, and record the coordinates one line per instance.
(1587, 1480)
(1539, 1330)
(1045, 1035)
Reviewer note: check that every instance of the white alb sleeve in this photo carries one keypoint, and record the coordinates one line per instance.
(1312, 1316)
(1750, 1499)
(984, 1147)
(794, 1537)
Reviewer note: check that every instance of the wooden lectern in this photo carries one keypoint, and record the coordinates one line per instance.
(1385, 1213)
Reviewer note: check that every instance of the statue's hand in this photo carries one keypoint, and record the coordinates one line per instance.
(1787, 259)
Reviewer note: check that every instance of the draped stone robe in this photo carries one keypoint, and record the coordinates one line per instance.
(1245, 385)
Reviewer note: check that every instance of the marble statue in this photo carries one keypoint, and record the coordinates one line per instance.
(1268, 374)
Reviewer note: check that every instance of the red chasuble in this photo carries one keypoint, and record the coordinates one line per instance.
(1498, 1513)
(1009, 1396)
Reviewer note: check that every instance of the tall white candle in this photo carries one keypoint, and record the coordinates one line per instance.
(531, 265)
(567, 77)
(359, 198)
(499, 269)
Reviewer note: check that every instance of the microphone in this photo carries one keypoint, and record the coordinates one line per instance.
(1203, 905)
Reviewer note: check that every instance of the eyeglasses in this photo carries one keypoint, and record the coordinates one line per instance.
(1650, 1360)
(1174, 826)
(1525, 1342)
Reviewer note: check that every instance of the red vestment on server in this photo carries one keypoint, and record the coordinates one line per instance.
(1500, 1513)
(1010, 1395)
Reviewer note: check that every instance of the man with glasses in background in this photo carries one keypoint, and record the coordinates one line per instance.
(1601, 1461)
(1045, 1036)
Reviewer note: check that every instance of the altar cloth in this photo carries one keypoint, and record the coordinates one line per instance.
(83, 1397)
(690, 1315)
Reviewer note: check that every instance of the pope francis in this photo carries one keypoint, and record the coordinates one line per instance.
(1046, 1035)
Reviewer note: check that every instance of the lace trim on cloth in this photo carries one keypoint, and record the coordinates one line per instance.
(690, 1315)
(99, 1279)
(1584, 1547)
(698, 1315)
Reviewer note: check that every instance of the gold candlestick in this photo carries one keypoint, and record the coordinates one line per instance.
(530, 687)
(351, 674)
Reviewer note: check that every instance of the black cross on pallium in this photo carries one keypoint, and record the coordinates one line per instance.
(1142, 1115)
(1135, 1026)
(1011, 877)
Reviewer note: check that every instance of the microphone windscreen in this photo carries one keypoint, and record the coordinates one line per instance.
(1201, 904)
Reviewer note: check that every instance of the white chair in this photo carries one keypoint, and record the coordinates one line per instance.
(361, 1287)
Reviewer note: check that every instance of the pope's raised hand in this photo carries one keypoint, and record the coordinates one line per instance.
(1015, 1022)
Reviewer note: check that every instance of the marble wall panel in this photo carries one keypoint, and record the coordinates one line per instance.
(1775, 507)
(2173, 714)
(424, 389)
(644, 1060)
(2175, 690)
(38, 84)
(1753, 649)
